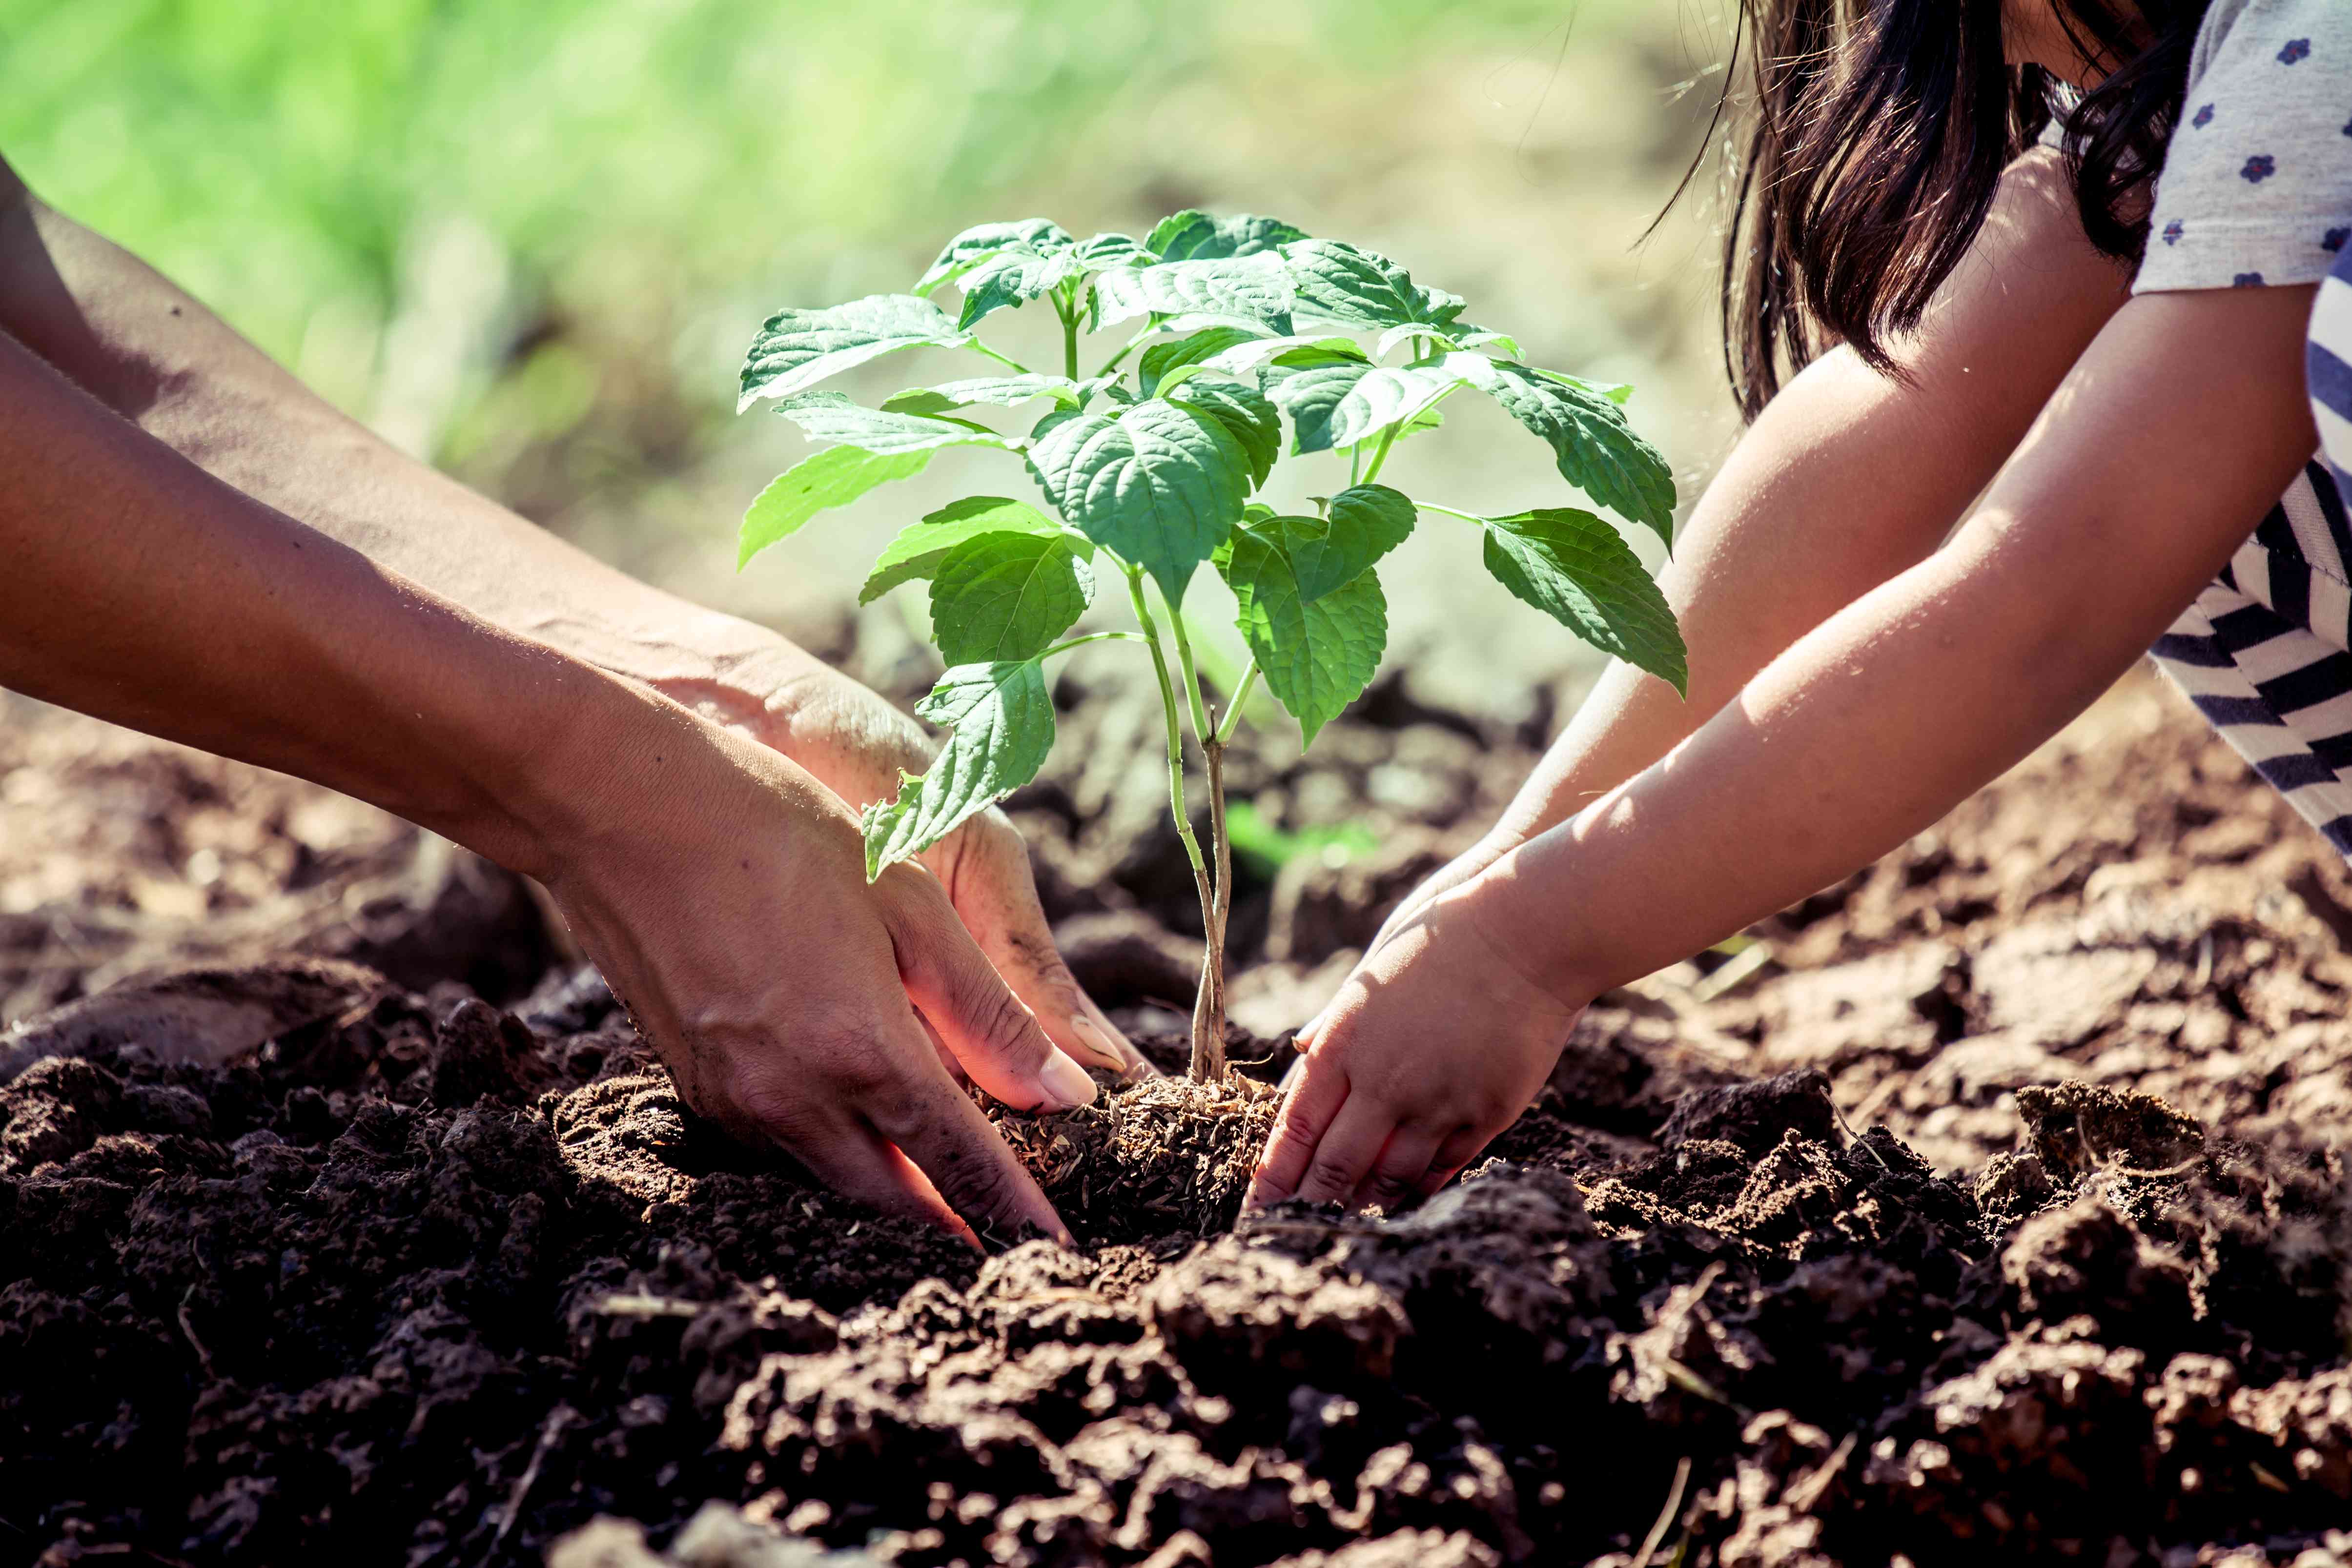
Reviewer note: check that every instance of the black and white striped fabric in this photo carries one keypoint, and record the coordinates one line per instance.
(2266, 652)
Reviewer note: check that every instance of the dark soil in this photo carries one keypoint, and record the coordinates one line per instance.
(1997, 1214)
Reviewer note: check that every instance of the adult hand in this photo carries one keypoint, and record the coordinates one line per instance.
(1436, 1043)
(722, 892)
(856, 744)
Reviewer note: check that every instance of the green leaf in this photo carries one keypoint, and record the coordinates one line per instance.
(1427, 420)
(1464, 336)
(1002, 725)
(1014, 277)
(1317, 656)
(1360, 289)
(797, 349)
(1616, 394)
(829, 416)
(834, 477)
(1008, 596)
(920, 547)
(1191, 351)
(1192, 236)
(976, 245)
(1246, 413)
(1104, 252)
(1296, 352)
(1160, 484)
(1252, 292)
(1361, 524)
(1597, 450)
(1003, 391)
(1337, 405)
(1574, 567)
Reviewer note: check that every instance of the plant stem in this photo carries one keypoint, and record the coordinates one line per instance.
(1095, 637)
(1203, 730)
(977, 347)
(1380, 453)
(1114, 362)
(1069, 341)
(1209, 1005)
(1234, 708)
(1208, 1010)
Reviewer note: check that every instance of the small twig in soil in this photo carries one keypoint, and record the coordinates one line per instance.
(187, 1327)
(557, 1420)
(1657, 1535)
(641, 1305)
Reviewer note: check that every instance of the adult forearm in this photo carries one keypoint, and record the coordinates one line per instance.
(143, 590)
(144, 347)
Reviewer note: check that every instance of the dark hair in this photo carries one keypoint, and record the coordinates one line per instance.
(1874, 144)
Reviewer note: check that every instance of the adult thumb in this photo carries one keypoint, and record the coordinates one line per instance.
(950, 980)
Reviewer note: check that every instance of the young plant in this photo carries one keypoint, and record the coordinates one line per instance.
(1148, 467)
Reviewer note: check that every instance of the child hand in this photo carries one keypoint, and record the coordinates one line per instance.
(1435, 1043)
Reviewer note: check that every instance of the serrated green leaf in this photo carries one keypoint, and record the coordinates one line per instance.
(1293, 352)
(1252, 292)
(1616, 394)
(1001, 723)
(1359, 524)
(1014, 277)
(920, 547)
(1190, 352)
(1104, 252)
(1317, 656)
(977, 243)
(797, 349)
(1003, 391)
(1574, 566)
(1160, 484)
(1007, 596)
(1246, 413)
(1597, 451)
(829, 416)
(834, 477)
(1464, 336)
(1339, 404)
(1360, 289)
(1190, 235)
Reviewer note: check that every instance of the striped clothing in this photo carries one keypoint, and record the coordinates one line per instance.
(2266, 651)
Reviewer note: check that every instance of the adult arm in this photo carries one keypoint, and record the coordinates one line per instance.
(2154, 460)
(153, 354)
(721, 887)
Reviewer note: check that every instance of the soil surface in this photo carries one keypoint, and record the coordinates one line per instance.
(1991, 1206)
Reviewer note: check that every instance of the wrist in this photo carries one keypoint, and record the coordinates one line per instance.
(1533, 929)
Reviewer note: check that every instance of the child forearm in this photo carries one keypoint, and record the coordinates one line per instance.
(2121, 505)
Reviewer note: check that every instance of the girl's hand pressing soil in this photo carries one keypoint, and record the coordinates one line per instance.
(721, 891)
(1394, 1097)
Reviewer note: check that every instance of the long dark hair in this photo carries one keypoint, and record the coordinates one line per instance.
(1875, 136)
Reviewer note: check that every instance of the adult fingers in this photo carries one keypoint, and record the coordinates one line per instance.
(1398, 1170)
(995, 1038)
(993, 891)
(944, 1132)
(1313, 1098)
(1347, 1150)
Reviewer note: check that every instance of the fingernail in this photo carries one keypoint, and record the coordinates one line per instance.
(1098, 1039)
(1066, 1083)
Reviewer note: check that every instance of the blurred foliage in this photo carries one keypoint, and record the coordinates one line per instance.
(530, 240)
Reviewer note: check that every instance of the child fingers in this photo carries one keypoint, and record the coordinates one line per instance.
(1401, 1166)
(1460, 1147)
(1314, 1097)
(1346, 1151)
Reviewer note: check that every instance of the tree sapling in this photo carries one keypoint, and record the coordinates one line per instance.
(1148, 467)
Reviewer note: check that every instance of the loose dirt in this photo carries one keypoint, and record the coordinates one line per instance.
(1990, 1208)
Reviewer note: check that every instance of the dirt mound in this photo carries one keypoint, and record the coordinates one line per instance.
(1992, 1207)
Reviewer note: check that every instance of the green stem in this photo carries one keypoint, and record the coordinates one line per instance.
(1096, 637)
(1380, 453)
(1233, 710)
(1132, 344)
(977, 347)
(1202, 728)
(1175, 728)
(1355, 465)
(1450, 512)
(1069, 340)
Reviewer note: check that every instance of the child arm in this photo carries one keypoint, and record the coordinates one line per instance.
(2157, 456)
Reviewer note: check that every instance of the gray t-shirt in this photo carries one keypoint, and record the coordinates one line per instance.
(2257, 185)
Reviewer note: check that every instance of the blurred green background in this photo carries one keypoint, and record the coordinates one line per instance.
(531, 241)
